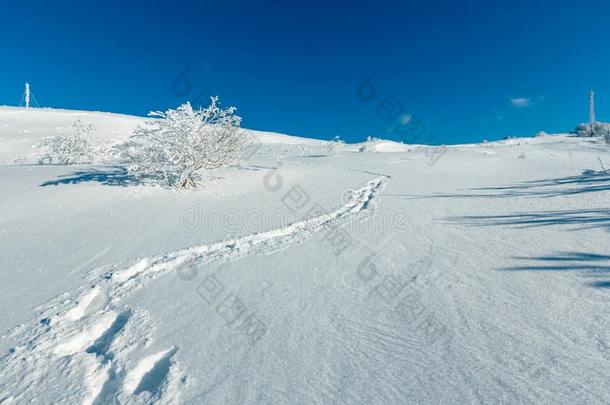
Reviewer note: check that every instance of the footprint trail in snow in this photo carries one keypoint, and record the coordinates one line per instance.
(94, 349)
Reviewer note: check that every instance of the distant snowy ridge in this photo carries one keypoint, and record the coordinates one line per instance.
(21, 129)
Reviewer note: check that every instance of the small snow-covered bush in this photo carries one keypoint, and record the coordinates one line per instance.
(333, 145)
(369, 144)
(595, 129)
(179, 143)
(68, 150)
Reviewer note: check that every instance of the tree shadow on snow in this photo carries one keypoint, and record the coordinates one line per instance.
(581, 219)
(589, 181)
(592, 265)
(111, 176)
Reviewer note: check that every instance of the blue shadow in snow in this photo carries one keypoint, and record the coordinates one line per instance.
(111, 176)
(589, 181)
(583, 219)
(592, 264)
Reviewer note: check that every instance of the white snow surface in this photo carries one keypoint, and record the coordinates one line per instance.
(308, 273)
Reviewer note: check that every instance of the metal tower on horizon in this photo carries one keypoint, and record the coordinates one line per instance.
(27, 96)
(591, 107)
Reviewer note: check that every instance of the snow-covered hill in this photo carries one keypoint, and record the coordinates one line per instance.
(311, 273)
(21, 129)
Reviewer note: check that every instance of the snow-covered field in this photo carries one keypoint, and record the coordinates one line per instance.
(308, 273)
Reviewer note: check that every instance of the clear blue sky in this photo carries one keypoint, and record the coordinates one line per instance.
(296, 67)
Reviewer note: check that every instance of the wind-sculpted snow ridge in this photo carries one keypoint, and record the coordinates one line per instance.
(89, 347)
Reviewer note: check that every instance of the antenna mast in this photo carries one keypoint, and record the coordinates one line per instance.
(27, 95)
(591, 107)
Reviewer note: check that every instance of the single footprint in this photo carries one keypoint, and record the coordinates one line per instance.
(149, 373)
(90, 302)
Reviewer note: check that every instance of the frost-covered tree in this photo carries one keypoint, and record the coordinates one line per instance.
(179, 143)
(369, 145)
(594, 129)
(68, 150)
(333, 145)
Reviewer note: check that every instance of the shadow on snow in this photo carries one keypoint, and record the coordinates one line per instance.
(582, 219)
(112, 176)
(593, 265)
(589, 181)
